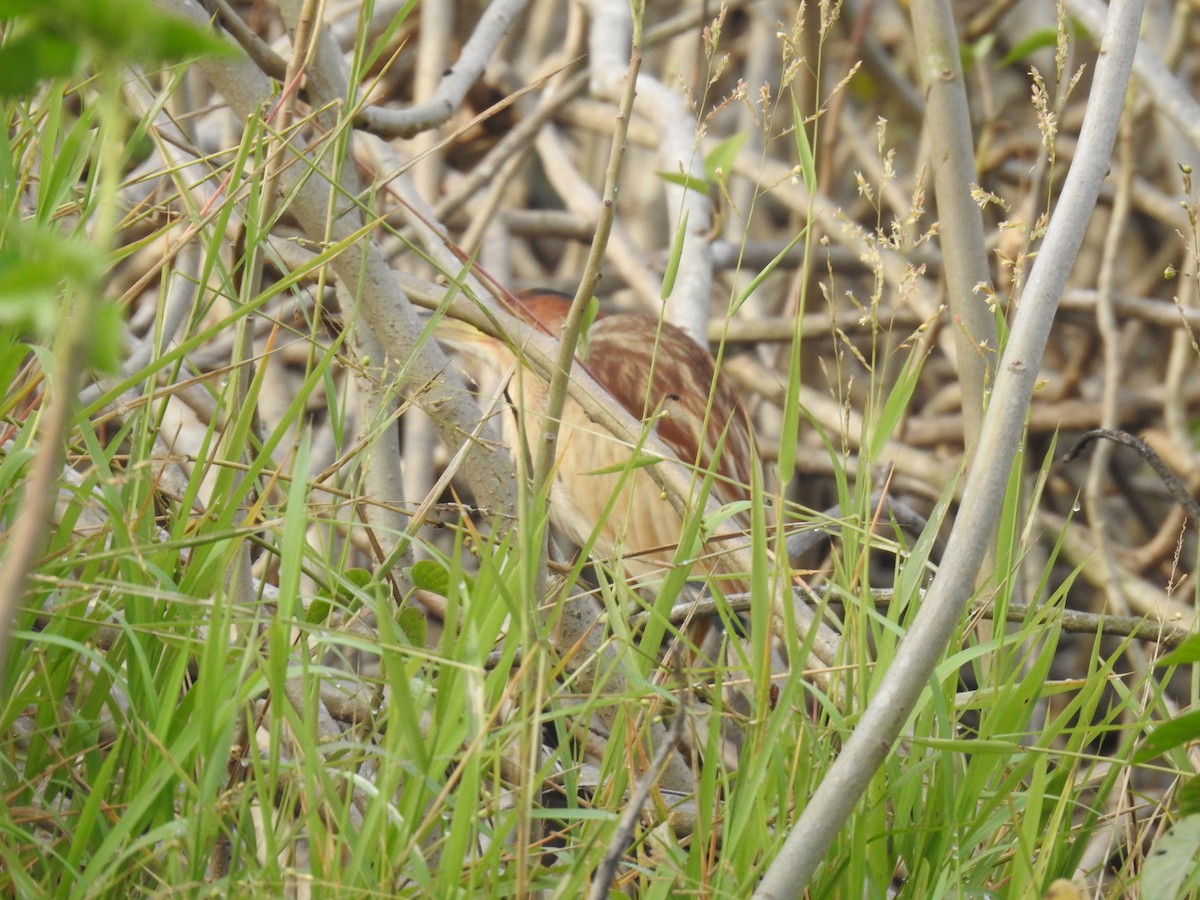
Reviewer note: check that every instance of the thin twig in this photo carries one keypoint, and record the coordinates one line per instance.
(1174, 484)
(607, 869)
(256, 48)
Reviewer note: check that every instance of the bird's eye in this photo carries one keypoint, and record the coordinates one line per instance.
(674, 398)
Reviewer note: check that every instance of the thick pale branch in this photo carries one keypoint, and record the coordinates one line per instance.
(1169, 95)
(961, 231)
(448, 96)
(367, 280)
(917, 655)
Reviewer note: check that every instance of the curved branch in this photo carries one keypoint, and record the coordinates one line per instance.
(493, 25)
(918, 653)
(1173, 482)
(679, 153)
(393, 326)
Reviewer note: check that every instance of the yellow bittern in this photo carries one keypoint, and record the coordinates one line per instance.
(661, 377)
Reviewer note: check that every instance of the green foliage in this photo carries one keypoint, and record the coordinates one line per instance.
(159, 715)
(35, 264)
(1188, 651)
(668, 283)
(972, 53)
(41, 267)
(804, 152)
(590, 312)
(718, 166)
(38, 268)
(1173, 866)
(47, 39)
(28, 59)
(1181, 730)
(1040, 39)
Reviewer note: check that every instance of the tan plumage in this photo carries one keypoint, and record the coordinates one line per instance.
(659, 376)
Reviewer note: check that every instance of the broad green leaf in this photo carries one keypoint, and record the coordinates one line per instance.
(1173, 858)
(719, 161)
(1188, 797)
(414, 625)
(1187, 652)
(28, 59)
(1182, 729)
(431, 575)
(318, 610)
(691, 182)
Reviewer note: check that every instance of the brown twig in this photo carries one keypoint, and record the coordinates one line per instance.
(1173, 482)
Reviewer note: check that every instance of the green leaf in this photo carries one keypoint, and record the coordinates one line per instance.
(57, 31)
(318, 610)
(672, 271)
(1188, 797)
(1040, 40)
(639, 461)
(414, 625)
(723, 514)
(431, 575)
(718, 164)
(970, 54)
(804, 151)
(37, 266)
(358, 578)
(1181, 730)
(32, 308)
(10, 9)
(1031, 43)
(46, 258)
(1172, 859)
(691, 182)
(33, 57)
(171, 40)
(1187, 652)
(767, 270)
(590, 311)
(104, 347)
(895, 405)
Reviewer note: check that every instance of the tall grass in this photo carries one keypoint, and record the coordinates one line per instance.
(166, 731)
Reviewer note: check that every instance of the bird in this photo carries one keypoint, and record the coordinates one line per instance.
(600, 497)
(604, 501)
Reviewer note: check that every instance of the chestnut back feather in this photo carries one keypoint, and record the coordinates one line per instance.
(651, 367)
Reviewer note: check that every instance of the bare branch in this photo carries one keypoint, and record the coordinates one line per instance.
(679, 153)
(493, 24)
(813, 832)
(948, 122)
(390, 342)
(1170, 97)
